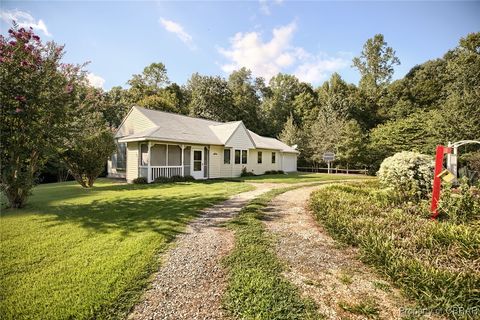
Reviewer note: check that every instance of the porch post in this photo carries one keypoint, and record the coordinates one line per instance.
(149, 173)
(183, 166)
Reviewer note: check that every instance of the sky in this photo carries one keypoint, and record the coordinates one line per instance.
(310, 39)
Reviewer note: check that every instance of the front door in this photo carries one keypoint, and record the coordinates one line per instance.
(197, 165)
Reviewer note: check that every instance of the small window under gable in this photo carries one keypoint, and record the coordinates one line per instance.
(274, 156)
(259, 158)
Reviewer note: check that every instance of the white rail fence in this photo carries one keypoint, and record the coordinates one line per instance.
(333, 170)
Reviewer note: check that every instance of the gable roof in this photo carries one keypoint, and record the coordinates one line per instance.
(180, 128)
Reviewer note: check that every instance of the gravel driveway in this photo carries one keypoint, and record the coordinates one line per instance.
(191, 281)
(331, 275)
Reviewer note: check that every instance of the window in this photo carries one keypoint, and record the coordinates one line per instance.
(143, 155)
(259, 158)
(237, 156)
(240, 156)
(226, 156)
(274, 155)
(121, 156)
(244, 156)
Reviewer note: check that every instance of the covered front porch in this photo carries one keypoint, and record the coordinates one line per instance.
(161, 159)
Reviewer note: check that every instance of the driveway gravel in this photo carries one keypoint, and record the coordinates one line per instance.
(331, 274)
(190, 282)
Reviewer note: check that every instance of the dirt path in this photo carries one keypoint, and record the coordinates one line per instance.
(191, 281)
(332, 276)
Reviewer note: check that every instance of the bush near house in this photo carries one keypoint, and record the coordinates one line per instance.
(435, 263)
(408, 174)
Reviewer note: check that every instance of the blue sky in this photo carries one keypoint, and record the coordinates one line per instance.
(309, 39)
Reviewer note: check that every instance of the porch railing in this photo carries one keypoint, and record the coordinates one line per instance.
(165, 171)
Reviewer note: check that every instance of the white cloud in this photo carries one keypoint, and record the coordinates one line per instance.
(95, 80)
(319, 68)
(266, 59)
(177, 29)
(265, 5)
(24, 20)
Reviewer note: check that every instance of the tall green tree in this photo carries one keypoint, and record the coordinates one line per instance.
(245, 98)
(36, 90)
(211, 98)
(376, 64)
(90, 142)
(279, 103)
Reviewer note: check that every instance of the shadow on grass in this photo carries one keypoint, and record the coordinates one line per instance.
(132, 215)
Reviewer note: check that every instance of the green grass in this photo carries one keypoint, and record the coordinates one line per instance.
(435, 263)
(299, 177)
(256, 288)
(83, 254)
(367, 308)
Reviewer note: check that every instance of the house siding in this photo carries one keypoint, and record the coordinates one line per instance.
(135, 122)
(132, 161)
(216, 162)
(266, 165)
(240, 139)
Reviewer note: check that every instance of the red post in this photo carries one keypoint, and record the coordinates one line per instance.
(440, 151)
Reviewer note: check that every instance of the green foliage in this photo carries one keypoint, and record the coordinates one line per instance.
(376, 64)
(415, 132)
(174, 179)
(408, 175)
(274, 172)
(460, 205)
(290, 134)
(140, 180)
(35, 93)
(89, 253)
(433, 262)
(246, 100)
(211, 98)
(246, 173)
(256, 288)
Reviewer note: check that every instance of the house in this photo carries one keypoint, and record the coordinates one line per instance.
(154, 143)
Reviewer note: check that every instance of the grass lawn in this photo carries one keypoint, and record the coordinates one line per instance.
(301, 177)
(75, 253)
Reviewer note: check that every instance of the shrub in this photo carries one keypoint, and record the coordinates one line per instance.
(188, 178)
(433, 262)
(246, 173)
(460, 205)
(408, 174)
(177, 179)
(162, 180)
(140, 180)
(274, 172)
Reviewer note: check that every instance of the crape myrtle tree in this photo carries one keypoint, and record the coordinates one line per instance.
(35, 92)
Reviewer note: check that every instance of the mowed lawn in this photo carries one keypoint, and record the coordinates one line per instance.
(75, 253)
(302, 177)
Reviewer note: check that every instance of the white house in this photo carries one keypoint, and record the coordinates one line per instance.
(155, 143)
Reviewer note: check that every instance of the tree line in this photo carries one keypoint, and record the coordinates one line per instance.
(435, 102)
(54, 122)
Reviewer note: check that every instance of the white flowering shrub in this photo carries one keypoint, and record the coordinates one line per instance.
(408, 174)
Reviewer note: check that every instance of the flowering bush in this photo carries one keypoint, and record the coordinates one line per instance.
(36, 94)
(408, 174)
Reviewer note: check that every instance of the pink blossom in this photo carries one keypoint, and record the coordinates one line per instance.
(21, 98)
(18, 110)
(69, 88)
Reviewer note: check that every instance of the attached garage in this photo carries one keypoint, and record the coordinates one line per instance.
(289, 162)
